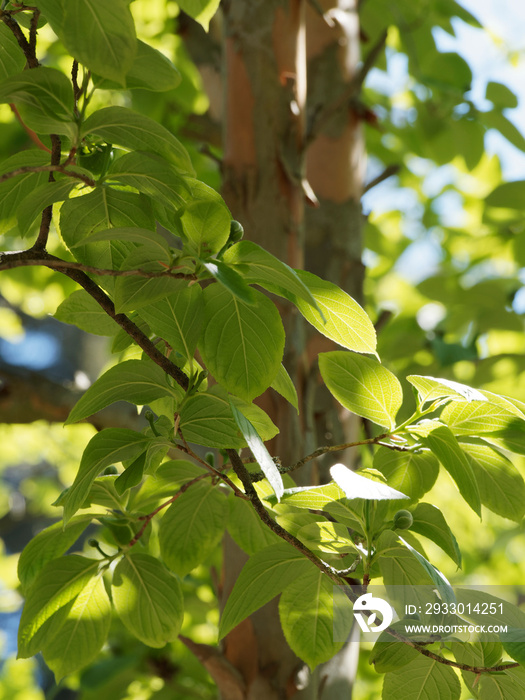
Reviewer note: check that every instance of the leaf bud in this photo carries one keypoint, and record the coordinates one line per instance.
(403, 520)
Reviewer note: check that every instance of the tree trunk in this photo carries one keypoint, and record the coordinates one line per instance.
(266, 188)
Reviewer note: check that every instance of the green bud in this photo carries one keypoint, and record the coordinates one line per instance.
(403, 520)
(236, 231)
(93, 543)
(110, 470)
(210, 458)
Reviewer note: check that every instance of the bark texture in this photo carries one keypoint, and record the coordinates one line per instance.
(281, 155)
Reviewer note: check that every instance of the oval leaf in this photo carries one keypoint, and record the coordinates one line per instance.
(362, 385)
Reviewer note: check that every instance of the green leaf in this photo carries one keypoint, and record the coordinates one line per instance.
(48, 93)
(163, 484)
(283, 385)
(407, 579)
(306, 611)
(105, 448)
(259, 451)
(51, 594)
(80, 309)
(266, 574)
(206, 224)
(510, 195)
(430, 389)
(477, 417)
(343, 320)
(510, 685)
(501, 96)
(135, 291)
(513, 641)
(103, 493)
(362, 385)
(242, 344)
(476, 603)
(357, 486)
(99, 35)
(15, 189)
(500, 484)
(265, 269)
(178, 318)
(103, 208)
(312, 497)
(206, 419)
(192, 527)
(422, 679)
(201, 10)
(496, 120)
(12, 59)
(136, 381)
(446, 448)
(230, 279)
(247, 529)
(389, 654)
(150, 70)
(327, 537)
(430, 522)
(33, 205)
(442, 586)
(413, 473)
(148, 599)
(48, 544)
(123, 127)
(71, 645)
(151, 175)
(153, 241)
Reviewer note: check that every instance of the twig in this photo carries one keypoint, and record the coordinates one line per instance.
(32, 135)
(263, 514)
(102, 299)
(47, 214)
(24, 44)
(447, 662)
(33, 29)
(47, 169)
(8, 261)
(212, 470)
(148, 518)
(334, 448)
(387, 172)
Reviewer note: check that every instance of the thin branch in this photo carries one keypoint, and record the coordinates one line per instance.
(32, 134)
(334, 448)
(447, 662)
(218, 474)
(389, 171)
(107, 305)
(10, 261)
(33, 29)
(47, 169)
(263, 514)
(149, 517)
(47, 214)
(24, 44)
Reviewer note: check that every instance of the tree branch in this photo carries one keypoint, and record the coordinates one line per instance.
(106, 304)
(10, 261)
(47, 214)
(45, 169)
(387, 172)
(24, 44)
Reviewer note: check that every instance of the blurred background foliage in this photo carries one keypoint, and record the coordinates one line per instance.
(445, 258)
